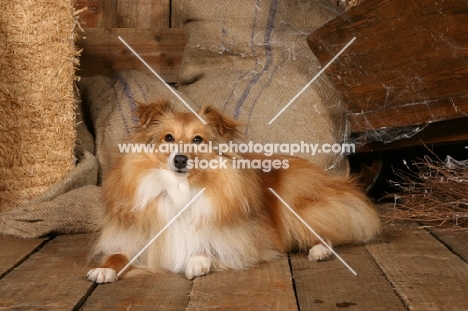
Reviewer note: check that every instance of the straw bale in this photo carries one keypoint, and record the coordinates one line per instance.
(37, 103)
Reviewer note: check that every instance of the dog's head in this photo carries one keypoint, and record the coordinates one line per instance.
(182, 136)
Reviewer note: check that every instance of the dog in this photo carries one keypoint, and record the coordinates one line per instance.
(237, 221)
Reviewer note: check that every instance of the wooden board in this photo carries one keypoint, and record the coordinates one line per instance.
(265, 287)
(408, 65)
(176, 19)
(445, 132)
(14, 251)
(103, 53)
(143, 14)
(456, 241)
(425, 274)
(329, 285)
(125, 13)
(53, 278)
(100, 13)
(143, 292)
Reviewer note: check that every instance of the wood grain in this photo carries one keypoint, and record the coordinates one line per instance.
(100, 13)
(125, 13)
(142, 292)
(176, 19)
(329, 285)
(13, 251)
(53, 278)
(143, 14)
(425, 274)
(444, 132)
(103, 53)
(407, 66)
(457, 241)
(265, 287)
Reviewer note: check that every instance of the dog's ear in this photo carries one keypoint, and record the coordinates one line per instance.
(227, 127)
(149, 113)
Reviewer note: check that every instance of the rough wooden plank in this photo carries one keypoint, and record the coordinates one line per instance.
(53, 278)
(100, 13)
(425, 274)
(388, 82)
(457, 241)
(445, 132)
(15, 250)
(265, 287)
(330, 285)
(143, 14)
(142, 292)
(103, 53)
(409, 114)
(176, 19)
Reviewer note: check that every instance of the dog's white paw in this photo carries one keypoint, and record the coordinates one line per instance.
(197, 266)
(319, 253)
(102, 275)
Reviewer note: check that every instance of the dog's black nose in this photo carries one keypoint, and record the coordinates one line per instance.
(180, 161)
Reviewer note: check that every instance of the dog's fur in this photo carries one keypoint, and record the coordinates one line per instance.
(236, 222)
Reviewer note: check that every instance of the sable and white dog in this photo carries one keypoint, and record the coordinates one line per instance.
(237, 222)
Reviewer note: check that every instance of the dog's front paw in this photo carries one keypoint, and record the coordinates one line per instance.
(319, 253)
(102, 275)
(197, 266)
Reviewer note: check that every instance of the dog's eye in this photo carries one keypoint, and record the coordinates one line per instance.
(197, 140)
(169, 138)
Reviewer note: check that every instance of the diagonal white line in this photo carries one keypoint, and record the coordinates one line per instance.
(160, 232)
(313, 231)
(161, 79)
(311, 81)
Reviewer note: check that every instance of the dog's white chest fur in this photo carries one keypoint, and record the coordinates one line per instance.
(164, 183)
(185, 237)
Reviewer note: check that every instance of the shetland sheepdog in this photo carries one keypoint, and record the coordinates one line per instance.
(236, 222)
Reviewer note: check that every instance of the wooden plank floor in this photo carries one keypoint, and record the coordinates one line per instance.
(407, 269)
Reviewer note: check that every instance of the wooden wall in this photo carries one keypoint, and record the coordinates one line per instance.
(149, 27)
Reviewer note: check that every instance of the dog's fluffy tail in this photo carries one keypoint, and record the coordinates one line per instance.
(333, 207)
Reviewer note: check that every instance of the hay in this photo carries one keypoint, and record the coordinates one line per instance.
(37, 120)
(435, 193)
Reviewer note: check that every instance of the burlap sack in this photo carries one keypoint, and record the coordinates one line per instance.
(251, 58)
(75, 211)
